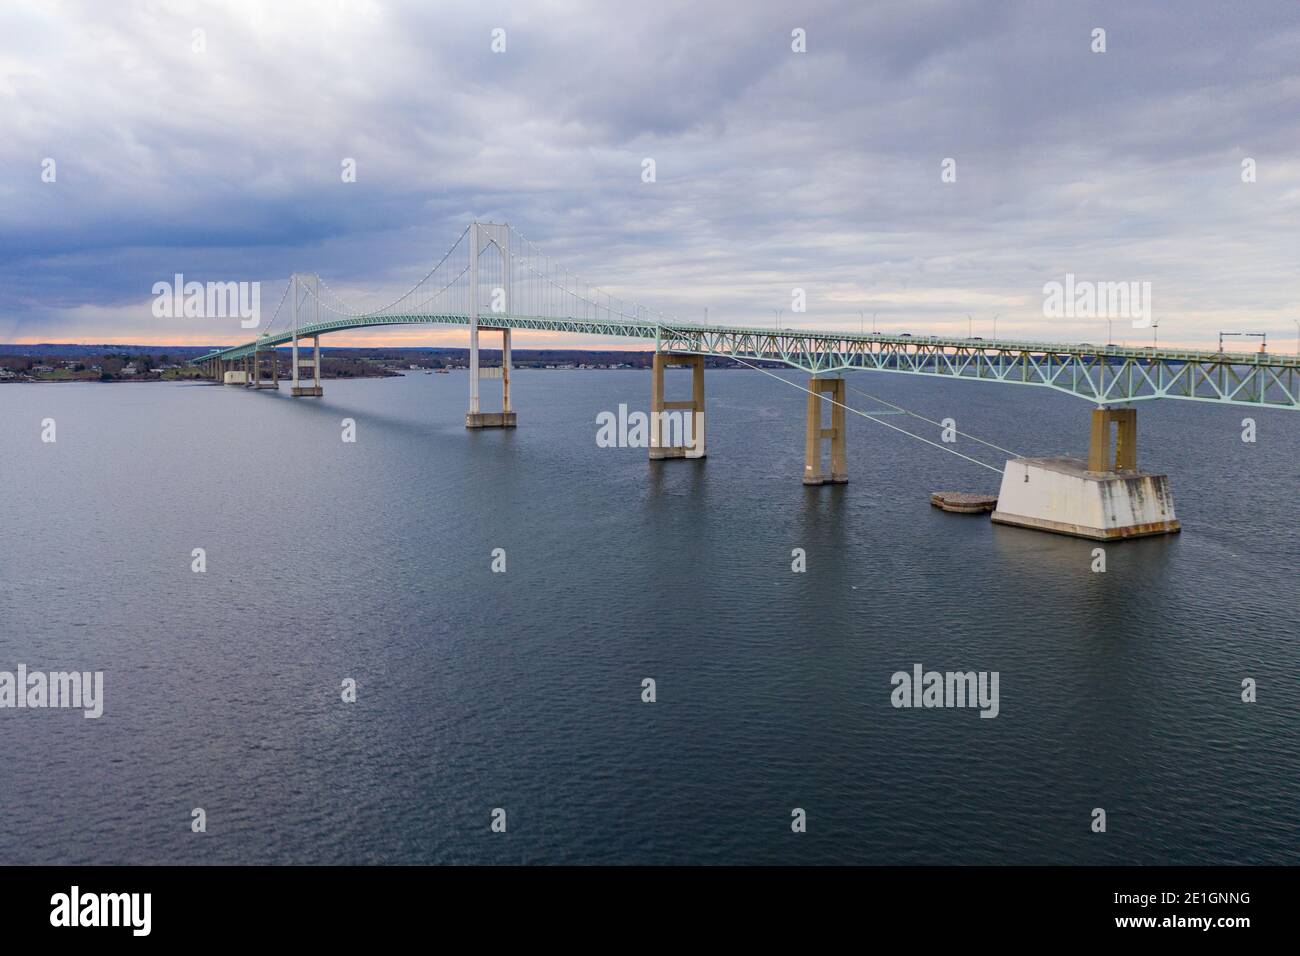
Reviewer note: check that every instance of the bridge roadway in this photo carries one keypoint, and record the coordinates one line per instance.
(1104, 375)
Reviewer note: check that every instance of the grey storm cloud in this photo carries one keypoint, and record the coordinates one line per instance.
(775, 169)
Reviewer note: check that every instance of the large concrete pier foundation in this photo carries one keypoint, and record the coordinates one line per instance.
(676, 428)
(1104, 498)
(812, 468)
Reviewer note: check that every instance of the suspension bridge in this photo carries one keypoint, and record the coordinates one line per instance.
(493, 279)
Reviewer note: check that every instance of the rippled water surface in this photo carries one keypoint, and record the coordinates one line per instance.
(522, 690)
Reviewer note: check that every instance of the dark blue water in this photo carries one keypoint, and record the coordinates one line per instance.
(521, 690)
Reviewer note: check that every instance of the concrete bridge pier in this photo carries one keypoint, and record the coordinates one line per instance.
(812, 467)
(232, 373)
(475, 418)
(258, 380)
(1103, 498)
(676, 428)
(314, 390)
(1126, 445)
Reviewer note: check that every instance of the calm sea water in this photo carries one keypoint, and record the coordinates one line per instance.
(522, 690)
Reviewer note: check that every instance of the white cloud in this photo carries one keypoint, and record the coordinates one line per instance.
(774, 169)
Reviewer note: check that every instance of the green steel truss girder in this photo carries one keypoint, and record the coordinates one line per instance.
(1101, 374)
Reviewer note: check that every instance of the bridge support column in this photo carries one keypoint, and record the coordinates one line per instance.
(688, 440)
(258, 380)
(475, 418)
(303, 286)
(812, 467)
(314, 390)
(1102, 498)
(505, 375)
(1099, 446)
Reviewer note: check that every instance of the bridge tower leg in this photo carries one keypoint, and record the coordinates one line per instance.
(314, 390)
(1125, 420)
(473, 373)
(1104, 498)
(301, 287)
(499, 236)
(812, 468)
(690, 428)
(506, 417)
(505, 375)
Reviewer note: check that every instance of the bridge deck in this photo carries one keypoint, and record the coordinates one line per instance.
(1104, 374)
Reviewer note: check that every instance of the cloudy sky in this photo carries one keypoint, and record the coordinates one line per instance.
(775, 169)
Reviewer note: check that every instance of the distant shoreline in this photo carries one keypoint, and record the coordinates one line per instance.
(139, 363)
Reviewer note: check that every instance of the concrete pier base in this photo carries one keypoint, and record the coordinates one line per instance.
(1105, 498)
(964, 502)
(306, 391)
(1062, 495)
(812, 468)
(688, 421)
(490, 420)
